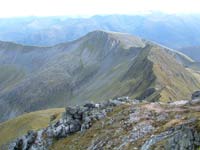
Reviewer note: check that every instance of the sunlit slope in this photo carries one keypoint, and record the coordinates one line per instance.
(175, 81)
(11, 129)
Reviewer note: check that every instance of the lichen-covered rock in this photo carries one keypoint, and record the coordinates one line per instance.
(120, 124)
(25, 142)
(182, 137)
(74, 119)
(162, 117)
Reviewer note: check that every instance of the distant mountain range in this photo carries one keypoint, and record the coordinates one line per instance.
(174, 31)
(98, 66)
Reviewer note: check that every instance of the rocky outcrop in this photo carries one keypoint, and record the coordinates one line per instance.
(181, 137)
(74, 119)
(157, 126)
(196, 95)
(120, 124)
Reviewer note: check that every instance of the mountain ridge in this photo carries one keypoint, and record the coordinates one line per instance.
(98, 66)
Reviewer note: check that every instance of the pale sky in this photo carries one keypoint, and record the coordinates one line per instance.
(16, 8)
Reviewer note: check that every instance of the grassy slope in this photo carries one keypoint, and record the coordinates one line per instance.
(153, 67)
(31, 121)
(140, 75)
(195, 73)
(104, 132)
(97, 67)
(176, 82)
(126, 77)
(9, 76)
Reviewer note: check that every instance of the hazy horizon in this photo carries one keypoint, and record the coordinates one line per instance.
(88, 8)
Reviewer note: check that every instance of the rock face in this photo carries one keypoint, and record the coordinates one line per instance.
(185, 138)
(196, 95)
(74, 119)
(180, 137)
(120, 124)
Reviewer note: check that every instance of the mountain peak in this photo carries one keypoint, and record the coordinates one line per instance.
(101, 65)
(111, 33)
(125, 39)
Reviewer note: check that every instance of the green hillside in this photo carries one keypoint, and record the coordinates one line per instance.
(99, 66)
(14, 128)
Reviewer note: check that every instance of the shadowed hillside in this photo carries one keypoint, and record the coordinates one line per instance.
(98, 66)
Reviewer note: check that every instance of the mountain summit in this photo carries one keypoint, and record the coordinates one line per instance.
(101, 65)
